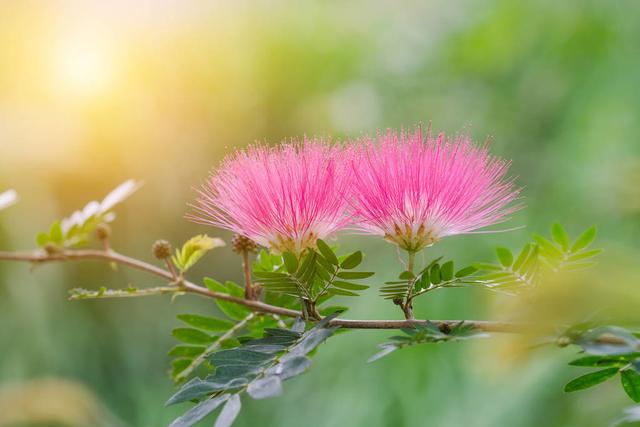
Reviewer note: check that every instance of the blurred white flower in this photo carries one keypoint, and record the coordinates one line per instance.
(96, 209)
(8, 198)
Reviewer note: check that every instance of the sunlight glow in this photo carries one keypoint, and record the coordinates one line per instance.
(83, 68)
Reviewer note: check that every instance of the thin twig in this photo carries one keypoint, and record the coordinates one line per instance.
(189, 287)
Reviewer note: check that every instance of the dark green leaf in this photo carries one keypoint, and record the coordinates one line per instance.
(241, 356)
(192, 336)
(590, 380)
(465, 272)
(505, 256)
(199, 411)
(327, 253)
(325, 311)
(352, 261)
(446, 271)
(631, 384)
(206, 323)
(186, 351)
(599, 361)
(585, 239)
(434, 274)
(179, 365)
(290, 262)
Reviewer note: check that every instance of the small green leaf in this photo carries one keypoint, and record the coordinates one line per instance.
(206, 323)
(327, 252)
(522, 257)
(434, 274)
(599, 361)
(349, 286)
(264, 259)
(179, 365)
(631, 384)
(192, 336)
(42, 239)
(590, 380)
(290, 262)
(214, 286)
(325, 311)
(560, 235)
(55, 233)
(193, 250)
(486, 266)
(446, 271)
(406, 275)
(341, 292)
(186, 351)
(505, 256)
(465, 272)
(352, 261)
(354, 275)
(585, 239)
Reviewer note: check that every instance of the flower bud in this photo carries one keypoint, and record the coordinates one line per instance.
(241, 244)
(52, 248)
(161, 249)
(103, 231)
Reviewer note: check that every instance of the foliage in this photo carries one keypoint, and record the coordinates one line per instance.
(194, 249)
(613, 349)
(427, 333)
(315, 277)
(516, 274)
(257, 367)
(77, 228)
(434, 276)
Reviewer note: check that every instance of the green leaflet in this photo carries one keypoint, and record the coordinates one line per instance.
(630, 379)
(194, 249)
(590, 380)
(256, 367)
(524, 272)
(426, 333)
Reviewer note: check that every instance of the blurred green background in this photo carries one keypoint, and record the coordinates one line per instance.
(93, 93)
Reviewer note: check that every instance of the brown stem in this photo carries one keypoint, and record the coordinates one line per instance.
(171, 268)
(186, 286)
(249, 290)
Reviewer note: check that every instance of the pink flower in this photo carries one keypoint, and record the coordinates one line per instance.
(283, 198)
(414, 189)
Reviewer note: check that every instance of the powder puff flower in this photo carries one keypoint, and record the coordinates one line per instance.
(284, 198)
(414, 189)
